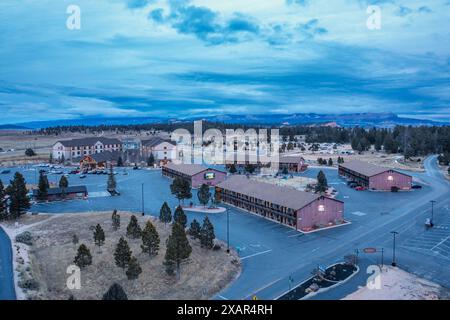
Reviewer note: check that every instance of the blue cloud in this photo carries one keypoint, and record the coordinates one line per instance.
(138, 4)
(298, 2)
(204, 23)
(157, 15)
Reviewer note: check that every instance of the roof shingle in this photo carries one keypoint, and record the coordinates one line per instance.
(283, 196)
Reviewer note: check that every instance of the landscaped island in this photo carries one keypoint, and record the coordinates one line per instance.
(56, 241)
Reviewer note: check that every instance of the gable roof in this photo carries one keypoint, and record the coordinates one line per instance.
(291, 159)
(90, 141)
(364, 168)
(188, 169)
(154, 141)
(56, 191)
(283, 196)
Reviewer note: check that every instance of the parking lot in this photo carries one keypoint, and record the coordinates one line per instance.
(435, 240)
(270, 252)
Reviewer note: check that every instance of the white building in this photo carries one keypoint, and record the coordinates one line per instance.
(164, 150)
(75, 148)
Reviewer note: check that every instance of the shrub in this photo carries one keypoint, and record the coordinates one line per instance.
(29, 284)
(25, 237)
(217, 247)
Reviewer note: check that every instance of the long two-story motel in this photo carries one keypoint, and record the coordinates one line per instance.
(303, 211)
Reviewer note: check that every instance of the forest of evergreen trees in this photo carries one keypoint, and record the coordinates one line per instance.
(409, 140)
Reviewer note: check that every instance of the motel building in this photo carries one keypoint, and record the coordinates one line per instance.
(374, 177)
(164, 150)
(196, 174)
(300, 210)
(76, 148)
(293, 164)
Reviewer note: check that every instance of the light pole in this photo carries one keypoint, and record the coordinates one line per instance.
(432, 211)
(394, 263)
(142, 197)
(228, 231)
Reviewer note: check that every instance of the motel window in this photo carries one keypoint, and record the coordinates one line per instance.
(321, 208)
(390, 178)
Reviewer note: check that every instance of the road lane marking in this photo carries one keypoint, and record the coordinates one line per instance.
(255, 254)
(441, 242)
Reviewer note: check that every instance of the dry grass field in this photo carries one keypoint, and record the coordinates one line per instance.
(205, 273)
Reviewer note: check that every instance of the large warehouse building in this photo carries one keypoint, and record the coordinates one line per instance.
(374, 177)
(196, 174)
(297, 209)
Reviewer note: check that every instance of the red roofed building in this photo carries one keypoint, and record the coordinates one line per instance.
(374, 177)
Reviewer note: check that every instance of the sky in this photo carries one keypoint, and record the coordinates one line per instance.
(181, 58)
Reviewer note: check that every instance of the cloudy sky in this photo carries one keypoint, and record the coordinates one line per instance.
(200, 57)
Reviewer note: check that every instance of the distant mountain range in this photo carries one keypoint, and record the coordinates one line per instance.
(344, 120)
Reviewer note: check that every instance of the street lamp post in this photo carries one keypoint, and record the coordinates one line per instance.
(432, 212)
(228, 231)
(142, 198)
(394, 263)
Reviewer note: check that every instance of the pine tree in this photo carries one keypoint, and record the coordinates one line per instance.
(165, 214)
(115, 220)
(181, 189)
(120, 162)
(250, 168)
(330, 162)
(18, 198)
(83, 257)
(322, 183)
(134, 269)
(99, 235)
(111, 184)
(122, 255)
(30, 152)
(150, 239)
(180, 217)
(3, 211)
(178, 249)
(63, 184)
(115, 292)
(195, 229)
(133, 229)
(207, 235)
(43, 186)
(151, 160)
(75, 239)
(204, 195)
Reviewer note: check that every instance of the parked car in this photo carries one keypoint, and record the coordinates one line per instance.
(360, 188)
(416, 186)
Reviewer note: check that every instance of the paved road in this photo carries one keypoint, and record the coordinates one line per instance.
(372, 223)
(7, 291)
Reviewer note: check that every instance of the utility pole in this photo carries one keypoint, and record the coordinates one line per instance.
(394, 263)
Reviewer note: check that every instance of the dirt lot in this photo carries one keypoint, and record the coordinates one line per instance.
(397, 284)
(380, 158)
(202, 276)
